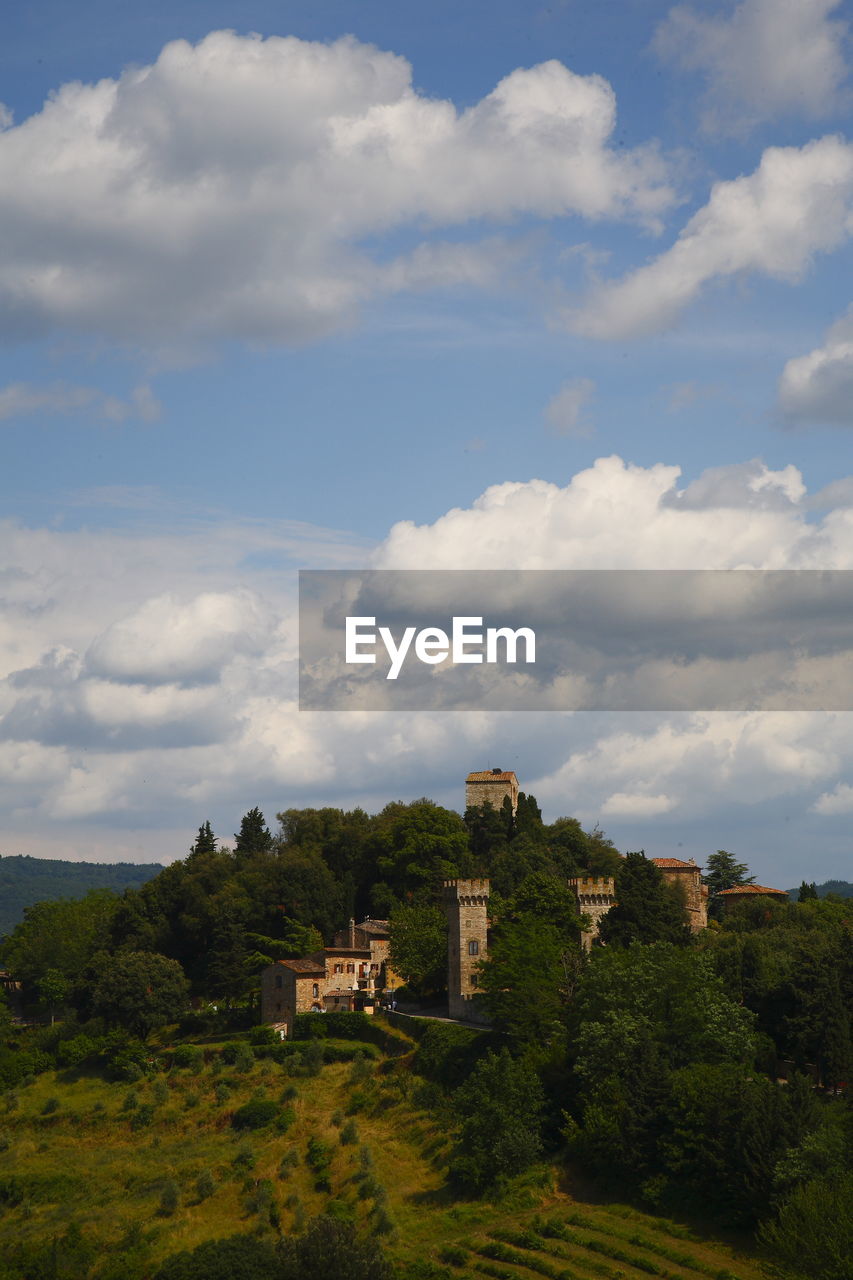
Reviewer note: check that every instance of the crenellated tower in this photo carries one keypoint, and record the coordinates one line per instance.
(466, 905)
(595, 896)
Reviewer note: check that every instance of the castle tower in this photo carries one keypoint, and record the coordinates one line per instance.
(492, 786)
(595, 896)
(466, 905)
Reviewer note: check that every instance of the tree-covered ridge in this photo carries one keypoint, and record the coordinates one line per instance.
(698, 1072)
(834, 888)
(25, 880)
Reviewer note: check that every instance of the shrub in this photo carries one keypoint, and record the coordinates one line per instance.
(142, 1116)
(70, 1053)
(169, 1198)
(244, 1157)
(264, 1035)
(50, 1106)
(255, 1114)
(187, 1057)
(160, 1092)
(205, 1185)
(349, 1133)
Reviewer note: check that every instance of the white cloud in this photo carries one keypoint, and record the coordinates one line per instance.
(797, 203)
(149, 681)
(767, 58)
(615, 515)
(228, 188)
(818, 387)
(837, 801)
(20, 398)
(624, 804)
(565, 411)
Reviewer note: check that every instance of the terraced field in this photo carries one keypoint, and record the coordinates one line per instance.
(161, 1161)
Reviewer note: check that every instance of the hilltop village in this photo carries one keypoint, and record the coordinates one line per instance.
(355, 974)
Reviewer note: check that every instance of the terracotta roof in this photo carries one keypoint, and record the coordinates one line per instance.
(489, 775)
(308, 964)
(750, 888)
(373, 926)
(675, 864)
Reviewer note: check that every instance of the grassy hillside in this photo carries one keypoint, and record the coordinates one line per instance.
(24, 881)
(158, 1163)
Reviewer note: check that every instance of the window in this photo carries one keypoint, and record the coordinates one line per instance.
(278, 979)
(473, 947)
(339, 968)
(350, 968)
(316, 990)
(375, 968)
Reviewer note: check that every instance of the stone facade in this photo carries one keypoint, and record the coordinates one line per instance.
(688, 876)
(491, 786)
(466, 905)
(342, 977)
(595, 896)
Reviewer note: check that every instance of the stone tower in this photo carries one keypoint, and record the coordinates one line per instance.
(466, 905)
(595, 896)
(492, 785)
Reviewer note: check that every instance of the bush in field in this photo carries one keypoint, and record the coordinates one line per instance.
(237, 1258)
(169, 1198)
(331, 1248)
(256, 1114)
(205, 1185)
(187, 1057)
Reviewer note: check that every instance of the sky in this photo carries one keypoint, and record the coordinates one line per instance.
(370, 284)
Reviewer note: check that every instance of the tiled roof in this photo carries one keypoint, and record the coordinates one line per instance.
(373, 926)
(750, 888)
(308, 964)
(488, 775)
(674, 864)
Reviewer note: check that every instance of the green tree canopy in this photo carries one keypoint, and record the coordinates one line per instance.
(419, 947)
(647, 908)
(139, 990)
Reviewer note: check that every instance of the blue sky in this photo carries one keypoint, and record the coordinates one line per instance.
(268, 300)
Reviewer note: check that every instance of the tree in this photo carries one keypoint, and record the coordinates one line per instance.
(723, 871)
(647, 908)
(139, 990)
(59, 937)
(500, 1106)
(812, 1236)
(254, 837)
(205, 841)
(808, 892)
(54, 989)
(418, 953)
(331, 1248)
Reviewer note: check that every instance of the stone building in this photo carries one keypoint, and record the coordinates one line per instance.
(688, 876)
(595, 896)
(466, 906)
(743, 893)
(491, 786)
(347, 976)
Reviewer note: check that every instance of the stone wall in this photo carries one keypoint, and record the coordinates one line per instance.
(491, 786)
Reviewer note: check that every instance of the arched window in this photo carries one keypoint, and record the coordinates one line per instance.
(316, 990)
(473, 947)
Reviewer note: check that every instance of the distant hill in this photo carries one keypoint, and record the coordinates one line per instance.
(841, 889)
(24, 881)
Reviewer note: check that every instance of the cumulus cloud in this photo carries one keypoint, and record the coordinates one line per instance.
(564, 413)
(20, 398)
(149, 681)
(818, 387)
(766, 58)
(615, 515)
(798, 203)
(229, 187)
